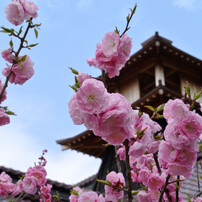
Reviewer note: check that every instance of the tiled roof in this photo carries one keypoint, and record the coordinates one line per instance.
(193, 185)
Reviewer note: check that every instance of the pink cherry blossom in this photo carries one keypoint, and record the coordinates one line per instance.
(15, 13)
(92, 97)
(39, 173)
(113, 192)
(121, 153)
(82, 76)
(30, 9)
(88, 196)
(143, 196)
(112, 54)
(30, 185)
(175, 109)
(5, 178)
(74, 198)
(155, 181)
(7, 55)
(110, 44)
(198, 199)
(18, 188)
(124, 48)
(20, 74)
(116, 122)
(191, 127)
(74, 111)
(4, 118)
(45, 193)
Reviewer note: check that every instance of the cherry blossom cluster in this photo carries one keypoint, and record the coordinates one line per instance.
(109, 116)
(112, 54)
(20, 68)
(178, 152)
(34, 180)
(79, 195)
(114, 185)
(19, 10)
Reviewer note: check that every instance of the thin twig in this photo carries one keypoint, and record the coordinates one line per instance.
(128, 20)
(157, 163)
(177, 189)
(118, 162)
(164, 188)
(128, 175)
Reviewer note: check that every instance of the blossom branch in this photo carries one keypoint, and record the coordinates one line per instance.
(128, 175)
(118, 162)
(14, 62)
(164, 188)
(157, 163)
(129, 17)
(177, 189)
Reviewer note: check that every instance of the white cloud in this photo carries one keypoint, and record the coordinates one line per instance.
(20, 147)
(19, 150)
(187, 4)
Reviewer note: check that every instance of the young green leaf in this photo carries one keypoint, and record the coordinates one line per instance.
(150, 108)
(74, 88)
(160, 108)
(134, 192)
(36, 32)
(32, 45)
(6, 30)
(73, 71)
(11, 43)
(10, 113)
(20, 31)
(22, 59)
(106, 182)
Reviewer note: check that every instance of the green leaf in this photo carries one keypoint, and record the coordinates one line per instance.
(187, 89)
(26, 41)
(73, 71)
(200, 147)
(10, 113)
(150, 165)
(106, 182)
(37, 25)
(74, 192)
(11, 43)
(36, 32)
(160, 116)
(158, 137)
(32, 45)
(74, 88)
(15, 58)
(6, 30)
(22, 59)
(198, 95)
(140, 133)
(19, 64)
(20, 30)
(149, 107)
(143, 187)
(134, 9)
(134, 192)
(116, 30)
(160, 108)
(177, 186)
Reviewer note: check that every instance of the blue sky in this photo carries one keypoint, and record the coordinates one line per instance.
(69, 33)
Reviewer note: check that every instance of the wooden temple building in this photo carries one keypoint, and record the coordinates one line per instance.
(153, 75)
